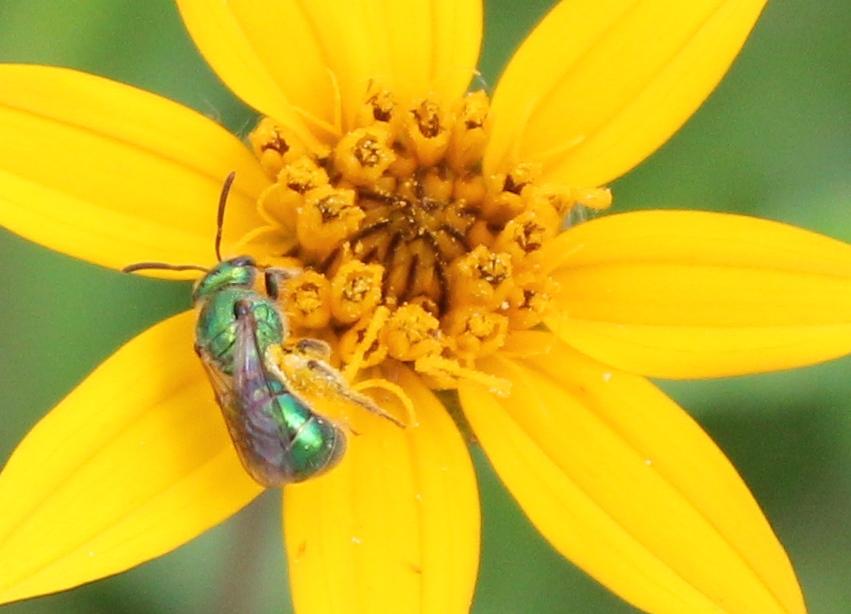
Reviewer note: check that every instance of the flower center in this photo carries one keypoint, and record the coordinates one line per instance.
(408, 251)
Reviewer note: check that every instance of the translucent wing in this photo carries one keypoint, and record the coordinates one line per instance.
(278, 438)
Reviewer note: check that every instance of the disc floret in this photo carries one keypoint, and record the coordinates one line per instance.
(409, 251)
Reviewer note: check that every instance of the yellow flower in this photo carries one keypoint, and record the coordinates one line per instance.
(430, 222)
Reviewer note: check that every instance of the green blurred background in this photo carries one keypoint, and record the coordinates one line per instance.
(774, 140)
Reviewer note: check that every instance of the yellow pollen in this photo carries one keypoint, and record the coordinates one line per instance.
(475, 332)
(362, 156)
(411, 333)
(327, 217)
(409, 252)
(425, 133)
(355, 291)
(481, 277)
(307, 300)
(380, 106)
(271, 146)
(302, 175)
(468, 133)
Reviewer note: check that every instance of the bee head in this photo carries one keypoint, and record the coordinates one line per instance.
(236, 272)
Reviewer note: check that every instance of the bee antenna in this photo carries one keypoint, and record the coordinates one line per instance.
(141, 266)
(220, 216)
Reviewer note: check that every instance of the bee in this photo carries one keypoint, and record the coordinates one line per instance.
(239, 335)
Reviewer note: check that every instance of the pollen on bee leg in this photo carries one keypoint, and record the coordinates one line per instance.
(355, 290)
(327, 217)
(307, 299)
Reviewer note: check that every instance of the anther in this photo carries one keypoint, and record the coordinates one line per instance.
(355, 290)
(363, 155)
(468, 134)
(481, 277)
(327, 218)
(271, 146)
(307, 299)
(528, 303)
(409, 252)
(425, 132)
(411, 333)
(475, 332)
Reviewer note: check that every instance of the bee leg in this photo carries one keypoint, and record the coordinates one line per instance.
(313, 348)
(274, 278)
(336, 383)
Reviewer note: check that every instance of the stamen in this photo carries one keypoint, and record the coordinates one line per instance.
(468, 134)
(328, 216)
(425, 133)
(355, 290)
(307, 300)
(481, 277)
(357, 358)
(409, 251)
(440, 367)
(595, 198)
(397, 391)
(363, 155)
(529, 302)
(271, 146)
(302, 175)
(411, 333)
(475, 332)
(528, 231)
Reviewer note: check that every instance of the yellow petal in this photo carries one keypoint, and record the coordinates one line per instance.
(600, 84)
(309, 63)
(623, 483)
(394, 528)
(689, 294)
(133, 463)
(114, 175)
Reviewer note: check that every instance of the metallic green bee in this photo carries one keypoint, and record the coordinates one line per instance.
(277, 435)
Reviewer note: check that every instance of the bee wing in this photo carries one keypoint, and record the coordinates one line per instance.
(251, 377)
(221, 382)
(276, 435)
